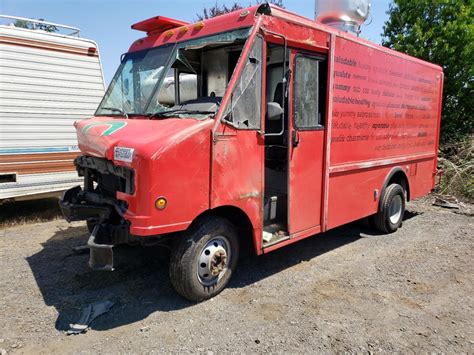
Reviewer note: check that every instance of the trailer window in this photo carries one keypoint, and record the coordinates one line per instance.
(245, 109)
(309, 92)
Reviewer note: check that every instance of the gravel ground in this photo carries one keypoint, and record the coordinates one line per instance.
(346, 290)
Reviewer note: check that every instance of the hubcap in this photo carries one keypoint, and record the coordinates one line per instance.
(395, 209)
(213, 261)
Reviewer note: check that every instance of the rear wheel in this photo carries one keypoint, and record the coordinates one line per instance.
(203, 260)
(392, 210)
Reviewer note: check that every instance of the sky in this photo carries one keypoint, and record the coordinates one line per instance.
(108, 22)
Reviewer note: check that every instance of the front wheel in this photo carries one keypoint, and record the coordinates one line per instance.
(392, 210)
(203, 260)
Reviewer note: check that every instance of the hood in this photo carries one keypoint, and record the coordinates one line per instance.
(98, 136)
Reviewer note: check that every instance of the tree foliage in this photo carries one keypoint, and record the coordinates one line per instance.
(218, 9)
(441, 32)
(35, 26)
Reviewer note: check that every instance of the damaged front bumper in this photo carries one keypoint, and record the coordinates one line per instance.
(75, 207)
(99, 211)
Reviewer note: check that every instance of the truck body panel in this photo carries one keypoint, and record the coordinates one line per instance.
(385, 114)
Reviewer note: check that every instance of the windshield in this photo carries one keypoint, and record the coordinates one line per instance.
(187, 78)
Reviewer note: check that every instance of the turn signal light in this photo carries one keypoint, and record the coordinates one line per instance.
(161, 203)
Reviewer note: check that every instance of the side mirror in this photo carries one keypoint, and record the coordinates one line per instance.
(274, 111)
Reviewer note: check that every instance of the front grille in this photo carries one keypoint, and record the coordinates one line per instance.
(108, 177)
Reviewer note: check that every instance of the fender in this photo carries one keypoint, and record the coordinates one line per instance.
(395, 170)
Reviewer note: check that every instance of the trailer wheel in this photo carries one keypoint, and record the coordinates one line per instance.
(392, 210)
(204, 259)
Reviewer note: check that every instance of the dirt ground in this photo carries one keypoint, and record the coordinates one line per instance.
(346, 290)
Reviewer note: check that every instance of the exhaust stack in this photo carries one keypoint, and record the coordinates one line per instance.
(345, 15)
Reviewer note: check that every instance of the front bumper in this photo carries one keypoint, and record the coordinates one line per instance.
(72, 210)
(79, 205)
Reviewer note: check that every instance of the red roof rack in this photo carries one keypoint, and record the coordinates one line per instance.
(158, 24)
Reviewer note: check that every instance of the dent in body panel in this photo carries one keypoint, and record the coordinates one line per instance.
(237, 173)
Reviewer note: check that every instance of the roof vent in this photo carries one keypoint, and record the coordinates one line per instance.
(345, 15)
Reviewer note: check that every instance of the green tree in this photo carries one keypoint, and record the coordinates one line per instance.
(441, 32)
(35, 26)
(218, 10)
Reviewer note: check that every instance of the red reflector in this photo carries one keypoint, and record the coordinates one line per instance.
(91, 50)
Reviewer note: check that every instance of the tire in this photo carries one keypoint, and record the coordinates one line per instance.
(390, 216)
(203, 260)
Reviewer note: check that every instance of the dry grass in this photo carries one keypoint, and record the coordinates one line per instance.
(458, 167)
(27, 212)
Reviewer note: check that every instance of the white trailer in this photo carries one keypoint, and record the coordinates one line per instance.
(47, 82)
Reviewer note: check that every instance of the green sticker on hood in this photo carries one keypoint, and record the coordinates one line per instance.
(109, 127)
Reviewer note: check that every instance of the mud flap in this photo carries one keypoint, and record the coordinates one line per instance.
(101, 257)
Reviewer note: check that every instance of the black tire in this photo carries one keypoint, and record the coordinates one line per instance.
(385, 220)
(186, 258)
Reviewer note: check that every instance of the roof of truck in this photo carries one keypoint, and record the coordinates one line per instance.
(179, 31)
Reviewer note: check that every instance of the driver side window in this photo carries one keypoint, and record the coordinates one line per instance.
(245, 109)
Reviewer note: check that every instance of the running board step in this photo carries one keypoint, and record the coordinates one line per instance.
(274, 234)
(275, 241)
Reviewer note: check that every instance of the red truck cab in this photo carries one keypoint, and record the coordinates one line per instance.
(256, 126)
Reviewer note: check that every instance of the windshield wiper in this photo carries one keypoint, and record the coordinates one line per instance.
(115, 109)
(180, 111)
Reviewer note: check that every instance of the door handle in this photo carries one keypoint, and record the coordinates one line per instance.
(295, 139)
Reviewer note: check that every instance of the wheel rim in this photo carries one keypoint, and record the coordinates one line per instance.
(395, 209)
(213, 261)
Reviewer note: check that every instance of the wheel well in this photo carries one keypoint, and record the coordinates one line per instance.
(239, 219)
(396, 176)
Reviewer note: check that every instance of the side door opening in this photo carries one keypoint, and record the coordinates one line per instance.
(276, 145)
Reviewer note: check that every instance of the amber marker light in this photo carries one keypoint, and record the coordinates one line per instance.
(183, 30)
(161, 203)
(199, 25)
(169, 33)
